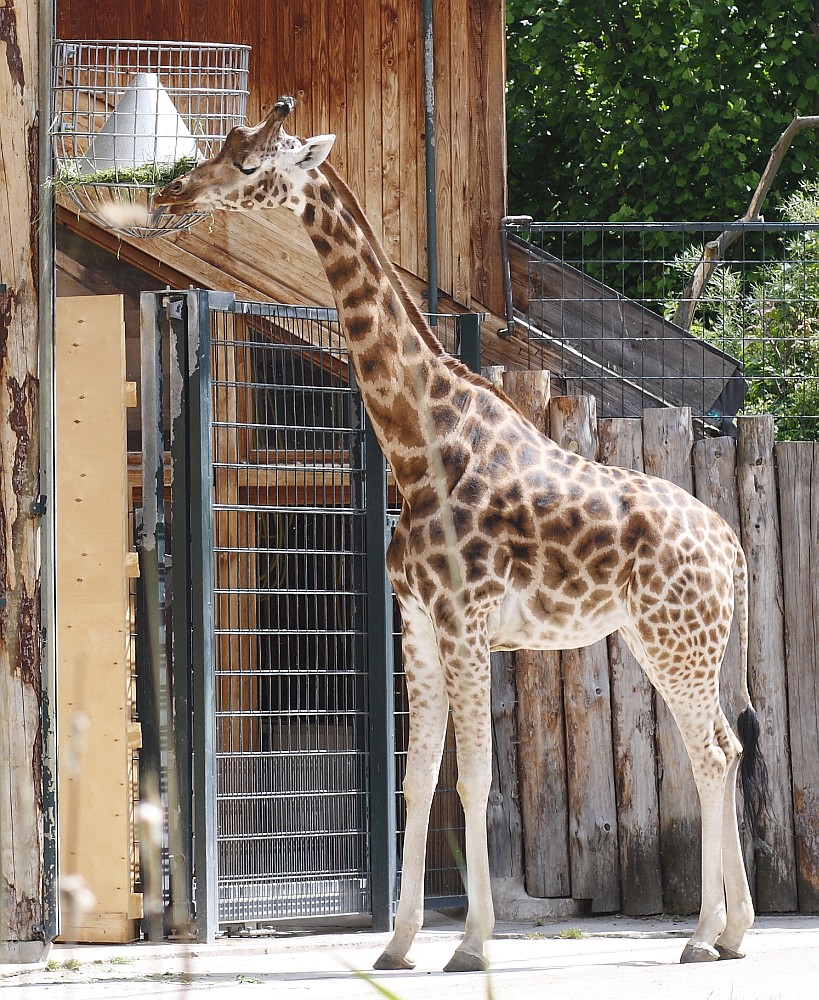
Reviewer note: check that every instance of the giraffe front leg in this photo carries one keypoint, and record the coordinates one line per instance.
(473, 737)
(428, 713)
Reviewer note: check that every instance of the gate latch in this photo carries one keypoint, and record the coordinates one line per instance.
(39, 506)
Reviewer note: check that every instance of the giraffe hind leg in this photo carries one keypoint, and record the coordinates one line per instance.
(738, 901)
(726, 910)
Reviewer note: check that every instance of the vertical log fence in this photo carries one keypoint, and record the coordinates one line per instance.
(593, 796)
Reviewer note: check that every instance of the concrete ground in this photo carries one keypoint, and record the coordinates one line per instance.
(616, 958)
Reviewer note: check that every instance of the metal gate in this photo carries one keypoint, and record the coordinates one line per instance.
(284, 634)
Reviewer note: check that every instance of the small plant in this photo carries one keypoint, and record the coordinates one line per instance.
(570, 934)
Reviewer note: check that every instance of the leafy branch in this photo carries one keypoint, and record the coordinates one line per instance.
(714, 251)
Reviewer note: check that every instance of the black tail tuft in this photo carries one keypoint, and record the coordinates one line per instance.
(753, 776)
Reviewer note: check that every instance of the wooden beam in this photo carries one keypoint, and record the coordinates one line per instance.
(22, 912)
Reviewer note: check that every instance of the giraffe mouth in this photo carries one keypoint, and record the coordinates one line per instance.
(164, 203)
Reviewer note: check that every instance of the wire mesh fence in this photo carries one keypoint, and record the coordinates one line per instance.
(292, 693)
(654, 314)
(291, 677)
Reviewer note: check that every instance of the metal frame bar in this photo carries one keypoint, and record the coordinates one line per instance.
(152, 583)
(180, 818)
(199, 554)
(383, 861)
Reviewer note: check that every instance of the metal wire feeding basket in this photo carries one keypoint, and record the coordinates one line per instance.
(129, 116)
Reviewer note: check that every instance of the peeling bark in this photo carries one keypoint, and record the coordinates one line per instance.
(21, 749)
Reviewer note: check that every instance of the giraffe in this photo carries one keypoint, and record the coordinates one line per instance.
(507, 541)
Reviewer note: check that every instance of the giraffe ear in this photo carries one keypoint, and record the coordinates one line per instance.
(315, 151)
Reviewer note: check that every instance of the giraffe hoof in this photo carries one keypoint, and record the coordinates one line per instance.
(728, 954)
(463, 961)
(387, 962)
(698, 953)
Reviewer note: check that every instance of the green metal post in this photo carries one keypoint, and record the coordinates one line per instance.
(469, 330)
(203, 658)
(383, 846)
(153, 681)
(180, 821)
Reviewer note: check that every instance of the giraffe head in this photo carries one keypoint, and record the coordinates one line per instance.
(258, 167)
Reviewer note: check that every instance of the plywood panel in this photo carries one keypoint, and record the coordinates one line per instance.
(92, 596)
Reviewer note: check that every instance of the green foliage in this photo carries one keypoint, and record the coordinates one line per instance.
(655, 109)
(767, 316)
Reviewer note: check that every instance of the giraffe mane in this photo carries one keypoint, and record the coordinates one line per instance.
(352, 204)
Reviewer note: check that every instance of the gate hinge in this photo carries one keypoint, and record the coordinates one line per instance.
(39, 506)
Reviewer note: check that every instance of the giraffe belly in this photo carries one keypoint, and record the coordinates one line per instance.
(566, 625)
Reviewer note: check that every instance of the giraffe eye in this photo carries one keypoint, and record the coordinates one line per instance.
(245, 170)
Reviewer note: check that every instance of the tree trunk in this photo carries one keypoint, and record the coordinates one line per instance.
(21, 752)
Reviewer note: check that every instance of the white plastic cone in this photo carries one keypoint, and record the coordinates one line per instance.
(144, 127)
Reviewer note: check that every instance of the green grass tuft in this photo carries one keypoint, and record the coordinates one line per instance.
(154, 175)
(570, 934)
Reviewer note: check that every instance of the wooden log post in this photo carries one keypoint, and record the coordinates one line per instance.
(798, 463)
(22, 915)
(593, 848)
(716, 485)
(759, 519)
(540, 718)
(633, 726)
(504, 822)
(667, 442)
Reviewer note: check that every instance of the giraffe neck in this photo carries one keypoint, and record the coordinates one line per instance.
(412, 391)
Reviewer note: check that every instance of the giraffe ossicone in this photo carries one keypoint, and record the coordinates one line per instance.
(507, 541)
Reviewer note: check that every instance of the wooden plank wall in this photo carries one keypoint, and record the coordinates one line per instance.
(623, 825)
(356, 68)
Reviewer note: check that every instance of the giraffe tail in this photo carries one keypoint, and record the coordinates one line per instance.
(753, 771)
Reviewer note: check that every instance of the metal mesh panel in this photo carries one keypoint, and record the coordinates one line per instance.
(290, 623)
(604, 308)
(290, 670)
